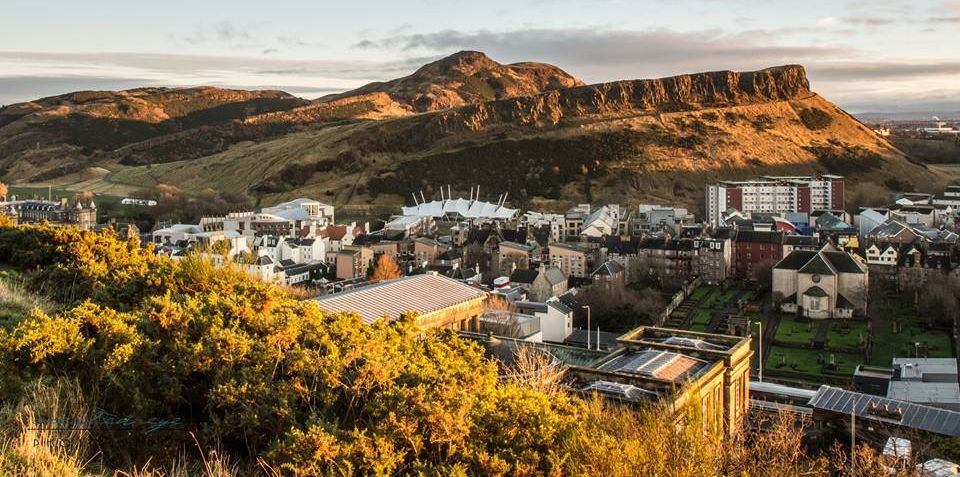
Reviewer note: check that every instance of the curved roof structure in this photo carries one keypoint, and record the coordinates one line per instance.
(461, 208)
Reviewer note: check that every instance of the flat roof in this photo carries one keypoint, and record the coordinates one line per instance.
(927, 365)
(925, 392)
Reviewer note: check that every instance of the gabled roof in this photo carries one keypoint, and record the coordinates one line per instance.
(526, 276)
(818, 264)
(556, 304)
(335, 232)
(418, 293)
(554, 275)
(890, 228)
(796, 260)
(824, 262)
(608, 269)
(478, 236)
(843, 262)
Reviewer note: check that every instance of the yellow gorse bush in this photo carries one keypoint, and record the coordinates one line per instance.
(282, 386)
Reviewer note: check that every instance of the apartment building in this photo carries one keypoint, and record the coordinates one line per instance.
(775, 194)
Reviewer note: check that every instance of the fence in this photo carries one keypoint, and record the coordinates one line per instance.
(677, 299)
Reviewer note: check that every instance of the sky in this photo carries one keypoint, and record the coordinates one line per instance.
(866, 56)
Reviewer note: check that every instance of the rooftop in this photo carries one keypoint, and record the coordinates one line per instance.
(887, 411)
(418, 293)
(665, 365)
(925, 392)
(824, 262)
(617, 390)
(468, 209)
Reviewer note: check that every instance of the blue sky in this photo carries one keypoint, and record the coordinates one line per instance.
(866, 56)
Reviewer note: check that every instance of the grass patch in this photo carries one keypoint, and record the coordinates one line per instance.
(16, 303)
(888, 344)
(912, 328)
(847, 334)
(700, 292)
(808, 362)
(702, 318)
(793, 332)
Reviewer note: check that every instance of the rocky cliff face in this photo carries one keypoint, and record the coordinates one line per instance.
(672, 94)
(467, 77)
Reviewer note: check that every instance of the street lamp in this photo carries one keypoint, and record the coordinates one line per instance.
(588, 326)
(759, 348)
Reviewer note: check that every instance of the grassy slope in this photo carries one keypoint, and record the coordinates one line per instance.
(930, 151)
(729, 145)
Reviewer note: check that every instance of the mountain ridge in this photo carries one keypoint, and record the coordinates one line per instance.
(371, 146)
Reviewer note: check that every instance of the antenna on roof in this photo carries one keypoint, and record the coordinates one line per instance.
(449, 194)
(441, 194)
(478, 191)
(421, 197)
(471, 192)
(414, 198)
(505, 194)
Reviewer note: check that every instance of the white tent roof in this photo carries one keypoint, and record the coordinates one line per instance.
(470, 209)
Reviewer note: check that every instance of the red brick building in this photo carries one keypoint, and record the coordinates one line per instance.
(753, 249)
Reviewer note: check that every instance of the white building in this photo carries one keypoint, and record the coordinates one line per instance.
(604, 221)
(297, 218)
(556, 319)
(775, 194)
(553, 221)
(175, 233)
(824, 284)
(315, 210)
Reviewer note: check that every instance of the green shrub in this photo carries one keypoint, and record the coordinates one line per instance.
(815, 119)
(843, 159)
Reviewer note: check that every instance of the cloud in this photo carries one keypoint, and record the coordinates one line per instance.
(224, 32)
(882, 71)
(27, 75)
(842, 74)
(598, 55)
(869, 21)
(228, 32)
(828, 22)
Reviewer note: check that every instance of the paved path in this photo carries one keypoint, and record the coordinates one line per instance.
(769, 331)
(821, 336)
